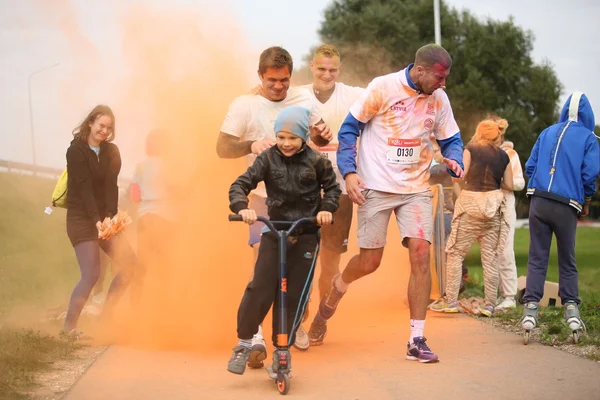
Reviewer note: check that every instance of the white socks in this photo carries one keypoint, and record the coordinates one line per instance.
(416, 328)
(258, 336)
(340, 285)
(245, 343)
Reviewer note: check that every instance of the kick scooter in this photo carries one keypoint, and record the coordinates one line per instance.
(280, 371)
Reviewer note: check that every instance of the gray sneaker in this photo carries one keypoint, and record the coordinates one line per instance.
(239, 359)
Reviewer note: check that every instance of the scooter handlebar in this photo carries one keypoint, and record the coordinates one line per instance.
(238, 218)
(269, 223)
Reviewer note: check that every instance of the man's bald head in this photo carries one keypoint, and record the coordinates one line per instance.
(432, 54)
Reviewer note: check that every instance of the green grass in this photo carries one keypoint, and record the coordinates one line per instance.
(37, 262)
(38, 270)
(587, 252)
(553, 331)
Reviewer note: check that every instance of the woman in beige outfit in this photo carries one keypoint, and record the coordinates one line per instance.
(480, 213)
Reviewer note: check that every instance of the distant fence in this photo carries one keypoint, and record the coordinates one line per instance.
(44, 172)
(23, 168)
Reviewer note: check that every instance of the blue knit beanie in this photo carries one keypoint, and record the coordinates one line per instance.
(294, 120)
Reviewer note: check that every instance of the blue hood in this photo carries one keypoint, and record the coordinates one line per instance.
(577, 108)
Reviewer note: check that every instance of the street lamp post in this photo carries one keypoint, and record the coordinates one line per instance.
(31, 108)
(436, 22)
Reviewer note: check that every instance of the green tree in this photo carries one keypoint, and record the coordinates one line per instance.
(493, 70)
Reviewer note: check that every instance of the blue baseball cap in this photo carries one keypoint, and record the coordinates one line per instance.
(294, 120)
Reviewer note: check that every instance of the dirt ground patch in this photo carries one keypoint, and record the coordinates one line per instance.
(363, 358)
(55, 383)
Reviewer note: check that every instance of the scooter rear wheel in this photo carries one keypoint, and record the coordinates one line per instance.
(526, 337)
(283, 383)
(575, 337)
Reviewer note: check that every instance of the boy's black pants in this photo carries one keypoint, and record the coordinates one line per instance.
(262, 291)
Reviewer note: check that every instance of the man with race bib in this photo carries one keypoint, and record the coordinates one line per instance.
(333, 101)
(397, 118)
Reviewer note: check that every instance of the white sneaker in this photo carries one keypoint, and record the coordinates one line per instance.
(99, 299)
(507, 303)
(92, 310)
(258, 352)
(302, 342)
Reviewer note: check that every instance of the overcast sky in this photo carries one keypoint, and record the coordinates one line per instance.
(32, 37)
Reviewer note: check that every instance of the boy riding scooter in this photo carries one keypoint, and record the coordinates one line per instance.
(294, 176)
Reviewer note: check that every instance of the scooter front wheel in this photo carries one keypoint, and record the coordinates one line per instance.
(283, 383)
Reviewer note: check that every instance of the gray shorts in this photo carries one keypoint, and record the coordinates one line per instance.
(414, 215)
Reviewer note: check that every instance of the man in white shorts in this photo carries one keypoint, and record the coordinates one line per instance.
(248, 130)
(397, 115)
(333, 100)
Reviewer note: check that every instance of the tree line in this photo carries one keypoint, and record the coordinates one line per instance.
(493, 70)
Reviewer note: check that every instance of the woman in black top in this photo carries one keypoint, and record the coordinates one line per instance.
(93, 166)
(479, 214)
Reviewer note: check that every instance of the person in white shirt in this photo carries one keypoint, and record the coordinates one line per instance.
(399, 115)
(153, 190)
(248, 130)
(333, 100)
(507, 266)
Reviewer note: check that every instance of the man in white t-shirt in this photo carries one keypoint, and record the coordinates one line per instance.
(399, 115)
(333, 101)
(248, 130)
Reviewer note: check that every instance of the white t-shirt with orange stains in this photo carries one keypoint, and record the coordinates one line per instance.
(333, 112)
(252, 117)
(395, 150)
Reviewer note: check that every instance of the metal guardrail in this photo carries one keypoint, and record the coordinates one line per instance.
(13, 166)
(44, 172)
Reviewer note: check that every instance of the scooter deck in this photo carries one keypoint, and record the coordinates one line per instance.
(272, 374)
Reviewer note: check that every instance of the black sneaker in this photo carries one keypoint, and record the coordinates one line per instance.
(317, 331)
(330, 301)
(239, 359)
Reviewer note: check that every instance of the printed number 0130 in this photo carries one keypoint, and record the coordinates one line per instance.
(405, 152)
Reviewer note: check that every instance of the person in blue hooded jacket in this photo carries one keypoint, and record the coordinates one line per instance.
(562, 169)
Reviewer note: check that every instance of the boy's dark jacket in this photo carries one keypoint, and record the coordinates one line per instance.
(293, 184)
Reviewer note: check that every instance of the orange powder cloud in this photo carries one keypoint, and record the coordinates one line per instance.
(179, 69)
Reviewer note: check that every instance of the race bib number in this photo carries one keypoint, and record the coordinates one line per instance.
(403, 151)
(330, 152)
